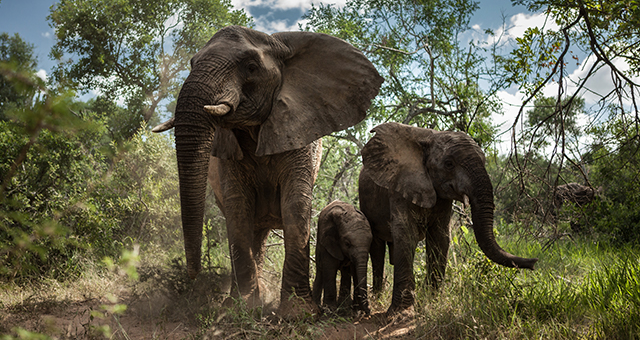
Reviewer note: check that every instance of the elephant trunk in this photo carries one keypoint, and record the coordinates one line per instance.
(193, 150)
(481, 200)
(360, 283)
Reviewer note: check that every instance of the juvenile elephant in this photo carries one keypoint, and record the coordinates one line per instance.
(409, 179)
(344, 238)
(252, 110)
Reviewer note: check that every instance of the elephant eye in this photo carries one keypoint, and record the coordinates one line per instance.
(252, 67)
(449, 164)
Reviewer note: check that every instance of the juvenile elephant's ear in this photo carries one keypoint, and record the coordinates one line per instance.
(328, 231)
(395, 160)
(327, 86)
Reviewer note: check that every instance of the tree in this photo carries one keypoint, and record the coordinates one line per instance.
(133, 50)
(615, 160)
(553, 124)
(605, 33)
(597, 40)
(18, 54)
(432, 79)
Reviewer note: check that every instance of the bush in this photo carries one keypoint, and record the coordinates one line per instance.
(70, 193)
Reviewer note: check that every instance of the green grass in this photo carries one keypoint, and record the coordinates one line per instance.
(580, 290)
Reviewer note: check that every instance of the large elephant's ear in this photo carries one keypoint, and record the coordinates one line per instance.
(328, 230)
(395, 160)
(327, 86)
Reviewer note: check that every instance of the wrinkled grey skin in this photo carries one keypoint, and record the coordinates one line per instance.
(344, 238)
(250, 113)
(407, 185)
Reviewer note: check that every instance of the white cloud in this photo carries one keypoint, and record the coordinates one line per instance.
(281, 4)
(519, 23)
(272, 21)
(42, 74)
(273, 26)
(511, 104)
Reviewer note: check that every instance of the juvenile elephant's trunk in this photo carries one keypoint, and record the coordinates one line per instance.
(481, 200)
(360, 283)
(193, 150)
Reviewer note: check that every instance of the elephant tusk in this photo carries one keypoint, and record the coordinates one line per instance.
(168, 125)
(217, 110)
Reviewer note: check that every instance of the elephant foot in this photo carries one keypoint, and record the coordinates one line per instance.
(295, 308)
(399, 313)
(251, 300)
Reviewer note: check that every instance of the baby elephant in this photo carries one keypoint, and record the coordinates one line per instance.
(344, 238)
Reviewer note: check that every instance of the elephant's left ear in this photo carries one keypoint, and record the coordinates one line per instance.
(225, 145)
(327, 86)
(395, 160)
(328, 235)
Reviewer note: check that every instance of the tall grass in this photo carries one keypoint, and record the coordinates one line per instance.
(580, 290)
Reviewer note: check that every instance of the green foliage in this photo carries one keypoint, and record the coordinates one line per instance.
(69, 193)
(556, 120)
(338, 174)
(35, 189)
(18, 54)
(605, 34)
(134, 50)
(616, 160)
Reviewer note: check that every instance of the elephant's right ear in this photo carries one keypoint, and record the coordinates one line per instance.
(328, 231)
(327, 86)
(395, 160)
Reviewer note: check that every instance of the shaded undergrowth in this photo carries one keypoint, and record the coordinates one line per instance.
(580, 289)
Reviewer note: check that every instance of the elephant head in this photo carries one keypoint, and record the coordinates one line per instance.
(425, 165)
(284, 90)
(345, 233)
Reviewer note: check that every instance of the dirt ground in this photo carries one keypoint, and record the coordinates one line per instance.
(169, 306)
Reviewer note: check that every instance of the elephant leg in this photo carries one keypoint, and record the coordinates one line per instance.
(378, 249)
(437, 242)
(259, 237)
(244, 269)
(344, 296)
(329, 284)
(241, 233)
(405, 240)
(296, 216)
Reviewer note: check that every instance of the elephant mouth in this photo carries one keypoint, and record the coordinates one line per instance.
(218, 110)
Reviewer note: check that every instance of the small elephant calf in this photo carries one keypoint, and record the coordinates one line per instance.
(344, 239)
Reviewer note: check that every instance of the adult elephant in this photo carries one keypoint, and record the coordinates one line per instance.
(407, 185)
(252, 110)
